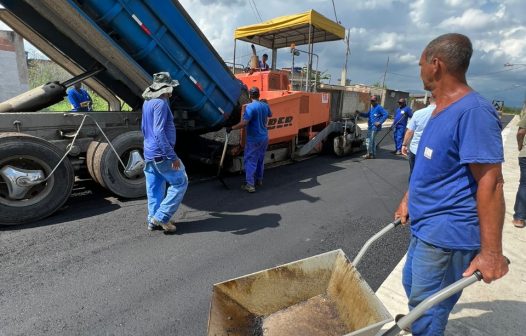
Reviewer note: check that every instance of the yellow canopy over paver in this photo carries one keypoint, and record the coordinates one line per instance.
(283, 31)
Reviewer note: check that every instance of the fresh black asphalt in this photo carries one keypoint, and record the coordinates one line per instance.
(94, 269)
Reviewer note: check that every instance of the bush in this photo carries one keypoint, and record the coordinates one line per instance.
(43, 71)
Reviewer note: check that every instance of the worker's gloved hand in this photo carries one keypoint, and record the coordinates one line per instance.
(228, 129)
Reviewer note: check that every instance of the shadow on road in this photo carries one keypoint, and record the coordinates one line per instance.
(282, 185)
(87, 200)
(235, 224)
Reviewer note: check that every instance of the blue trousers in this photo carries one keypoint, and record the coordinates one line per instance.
(165, 188)
(254, 160)
(411, 158)
(370, 142)
(520, 199)
(398, 135)
(427, 270)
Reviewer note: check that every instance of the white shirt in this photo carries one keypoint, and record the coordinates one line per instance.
(417, 124)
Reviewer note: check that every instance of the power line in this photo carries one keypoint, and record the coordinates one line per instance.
(496, 72)
(402, 75)
(510, 88)
(255, 8)
(334, 8)
(252, 7)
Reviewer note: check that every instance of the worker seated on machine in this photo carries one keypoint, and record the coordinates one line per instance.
(263, 65)
(258, 65)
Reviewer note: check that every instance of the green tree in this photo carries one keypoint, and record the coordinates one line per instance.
(42, 71)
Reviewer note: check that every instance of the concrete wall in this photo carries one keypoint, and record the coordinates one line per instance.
(13, 65)
(345, 100)
(389, 98)
(357, 98)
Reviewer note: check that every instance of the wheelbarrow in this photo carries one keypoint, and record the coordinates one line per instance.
(319, 295)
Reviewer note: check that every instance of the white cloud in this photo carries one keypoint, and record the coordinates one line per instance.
(385, 28)
(454, 3)
(408, 59)
(466, 3)
(420, 11)
(386, 42)
(357, 31)
(373, 4)
(471, 19)
(514, 48)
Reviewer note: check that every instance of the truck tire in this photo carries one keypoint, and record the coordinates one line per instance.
(106, 169)
(27, 152)
(91, 152)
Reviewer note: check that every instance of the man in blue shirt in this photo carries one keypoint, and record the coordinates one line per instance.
(255, 121)
(263, 65)
(415, 127)
(455, 199)
(162, 166)
(402, 114)
(79, 99)
(376, 117)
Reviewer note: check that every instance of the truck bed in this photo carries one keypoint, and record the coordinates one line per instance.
(134, 39)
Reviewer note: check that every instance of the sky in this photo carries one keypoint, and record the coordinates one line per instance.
(382, 29)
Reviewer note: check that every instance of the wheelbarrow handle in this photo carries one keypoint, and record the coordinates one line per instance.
(434, 299)
(223, 152)
(371, 240)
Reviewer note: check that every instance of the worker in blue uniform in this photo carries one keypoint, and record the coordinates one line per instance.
(255, 121)
(402, 114)
(79, 99)
(455, 198)
(263, 65)
(165, 174)
(376, 117)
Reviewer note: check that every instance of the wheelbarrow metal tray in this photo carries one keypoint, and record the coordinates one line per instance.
(319, 295)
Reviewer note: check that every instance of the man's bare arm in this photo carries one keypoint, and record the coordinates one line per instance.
(402, 212)
(520, 137)
(491, 208)
(407, 140)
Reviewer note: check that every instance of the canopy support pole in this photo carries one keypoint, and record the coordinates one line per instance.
(234, 61)
(309, 66)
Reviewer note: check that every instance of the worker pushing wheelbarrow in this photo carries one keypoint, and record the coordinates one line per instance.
(320, 295)
(456, 202)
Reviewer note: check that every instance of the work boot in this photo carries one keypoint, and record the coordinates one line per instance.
(248, 187)
(167, 228)
(259, 183)
(398, 153)
(518, 223)
(154, 227)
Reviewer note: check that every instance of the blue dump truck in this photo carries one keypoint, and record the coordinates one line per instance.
(114, 46)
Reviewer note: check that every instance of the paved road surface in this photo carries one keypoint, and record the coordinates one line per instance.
(93, 268)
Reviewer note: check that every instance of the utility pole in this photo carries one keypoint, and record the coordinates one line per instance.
(343, 80)
(385, 72)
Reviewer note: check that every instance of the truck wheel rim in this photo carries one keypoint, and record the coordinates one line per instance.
(35, 193)
(131, 158)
